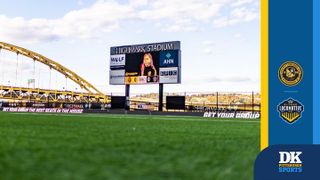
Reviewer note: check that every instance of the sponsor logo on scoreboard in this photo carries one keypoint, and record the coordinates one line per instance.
(290, 162)
(117, 60)
(168, 71)
(152, 79)
(169, 59)
(290, 73)
(169, 75)
(117, 77)
(132, 80)
(141, 79)
(290, 110)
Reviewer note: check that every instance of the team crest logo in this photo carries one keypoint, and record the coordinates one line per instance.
(290, 73)
(290, 110)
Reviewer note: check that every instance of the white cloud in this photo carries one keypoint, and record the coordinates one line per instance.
(209, 47)
(234, 79)
(208, 43)
(237, 36)
(241, 2)
(182, 16)
(208, 50)
(137, 3)
(222, 82)
(181, 25)
(237, 15)
(176, 9)
(80, 2)
(103, 16)
(10, 64)
(108, 15)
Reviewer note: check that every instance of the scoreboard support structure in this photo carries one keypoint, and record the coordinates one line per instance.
(127, 94)
(160, 107)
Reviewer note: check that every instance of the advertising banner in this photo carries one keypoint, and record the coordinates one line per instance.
(232, 115)
(117, 77)
(290, 123)
(117, 61)
(169, 75)
(169, 58)
(43, 110)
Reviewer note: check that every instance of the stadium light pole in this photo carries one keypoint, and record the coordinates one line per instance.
(217, 101)
(252, 102)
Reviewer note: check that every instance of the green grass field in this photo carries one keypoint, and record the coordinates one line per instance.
(44, 146)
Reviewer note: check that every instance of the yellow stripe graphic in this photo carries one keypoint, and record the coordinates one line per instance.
(264, 73)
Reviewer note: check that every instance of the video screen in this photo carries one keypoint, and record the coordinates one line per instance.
(156, 63)
(142, 68)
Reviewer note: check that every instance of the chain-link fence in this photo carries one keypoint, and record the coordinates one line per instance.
(194, 102)
(198, 102)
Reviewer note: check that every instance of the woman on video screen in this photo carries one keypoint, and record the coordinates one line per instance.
(147, 67)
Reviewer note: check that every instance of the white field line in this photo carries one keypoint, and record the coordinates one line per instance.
(153, 117)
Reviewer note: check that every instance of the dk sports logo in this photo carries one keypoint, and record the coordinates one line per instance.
(290, 162)
(290, 73)
(290, 110)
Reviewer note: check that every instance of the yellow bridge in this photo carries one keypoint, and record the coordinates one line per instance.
(47, 95)
(92, 94)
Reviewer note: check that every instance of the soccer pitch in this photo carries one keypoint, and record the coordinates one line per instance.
(94, 146)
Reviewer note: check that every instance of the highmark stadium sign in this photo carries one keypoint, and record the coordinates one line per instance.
(144, 48)
(145, 64)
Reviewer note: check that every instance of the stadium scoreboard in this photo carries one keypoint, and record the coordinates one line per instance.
(156, 63)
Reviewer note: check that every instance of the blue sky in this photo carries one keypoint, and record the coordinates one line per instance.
(220, 39)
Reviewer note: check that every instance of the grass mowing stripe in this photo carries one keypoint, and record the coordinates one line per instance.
(58, 147)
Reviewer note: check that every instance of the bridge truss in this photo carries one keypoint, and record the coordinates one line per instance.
(92, 94)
